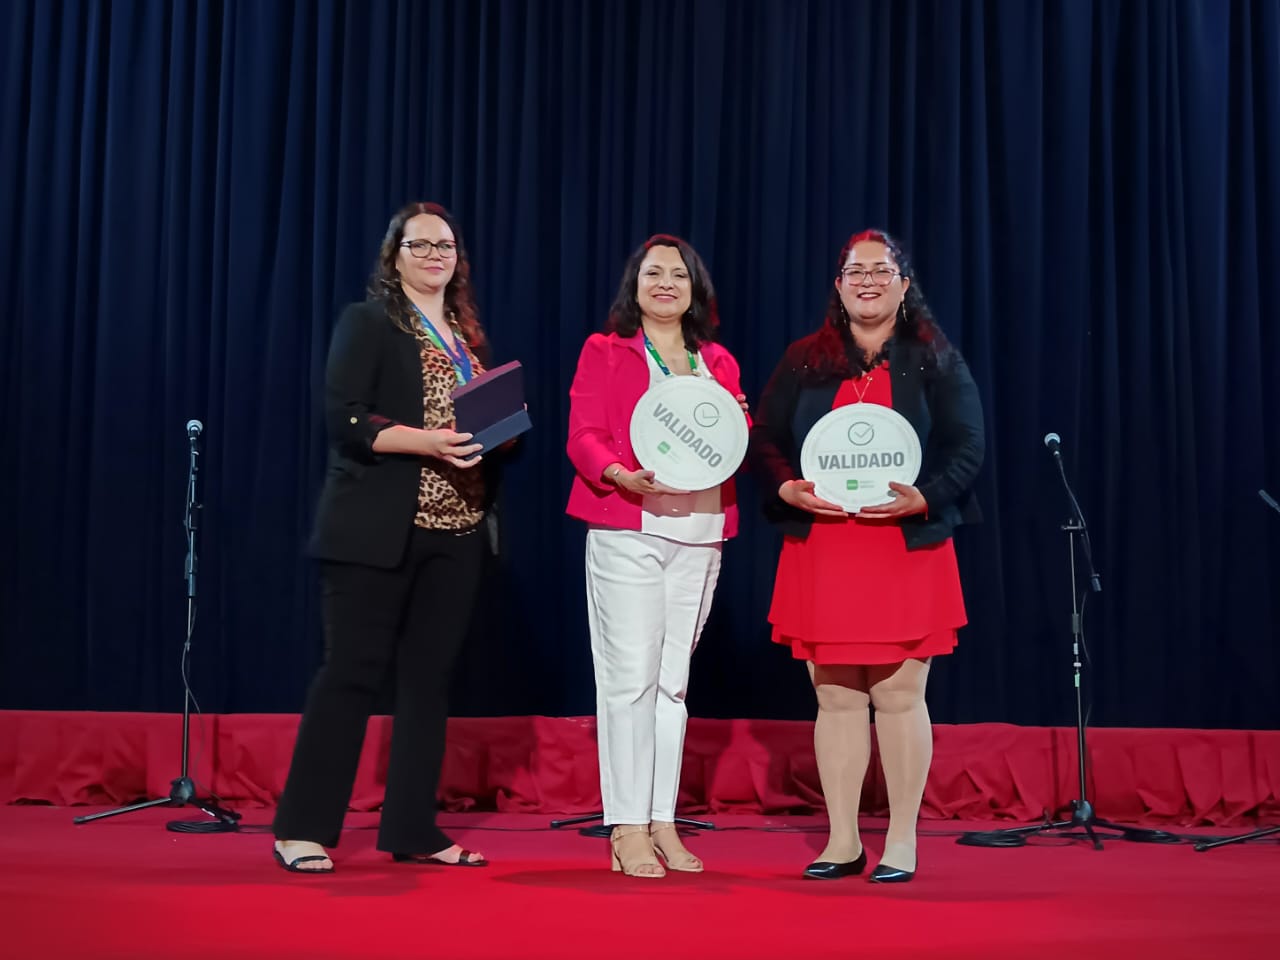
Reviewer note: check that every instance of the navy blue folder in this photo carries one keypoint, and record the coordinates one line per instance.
(491, 406)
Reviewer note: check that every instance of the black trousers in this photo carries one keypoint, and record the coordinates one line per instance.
(412, 620)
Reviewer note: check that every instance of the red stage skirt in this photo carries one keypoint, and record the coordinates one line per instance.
(851, 592)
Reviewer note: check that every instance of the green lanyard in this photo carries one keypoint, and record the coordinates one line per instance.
(648, 345)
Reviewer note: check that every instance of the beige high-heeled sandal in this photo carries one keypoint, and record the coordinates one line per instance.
(667, 843)
(631, 851)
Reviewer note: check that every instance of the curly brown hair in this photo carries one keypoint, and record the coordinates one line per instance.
(384, 284)
(828, 355)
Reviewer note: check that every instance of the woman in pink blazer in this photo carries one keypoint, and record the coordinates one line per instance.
(653, 554)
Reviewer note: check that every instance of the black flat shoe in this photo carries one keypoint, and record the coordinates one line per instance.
(464, 859)
(826, 870)
(883, 874)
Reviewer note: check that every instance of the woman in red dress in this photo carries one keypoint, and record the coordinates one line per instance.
(868, 599)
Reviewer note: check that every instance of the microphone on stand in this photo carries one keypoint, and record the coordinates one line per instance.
(182, 789)
(1267, 499)
(1053, 443)
(192, 512)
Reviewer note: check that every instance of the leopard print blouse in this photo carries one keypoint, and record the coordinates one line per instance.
(449, 497)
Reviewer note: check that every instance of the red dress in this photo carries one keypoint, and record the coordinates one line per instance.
(851, 592)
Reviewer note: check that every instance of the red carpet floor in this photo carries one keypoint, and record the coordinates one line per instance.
(126, 888)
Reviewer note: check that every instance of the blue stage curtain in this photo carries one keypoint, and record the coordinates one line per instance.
(192, 190)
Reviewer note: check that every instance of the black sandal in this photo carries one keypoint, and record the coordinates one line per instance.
(464, 859)
(292, 865)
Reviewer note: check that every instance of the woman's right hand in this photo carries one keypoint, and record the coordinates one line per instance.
(451, 447)
(799, 493)
(638, 481)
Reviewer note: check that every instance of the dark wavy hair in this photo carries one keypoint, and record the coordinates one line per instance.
(832, 346)
(699, 322)
(459, 304)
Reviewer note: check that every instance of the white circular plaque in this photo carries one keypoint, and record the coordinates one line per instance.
(690, 432)
(853, 452)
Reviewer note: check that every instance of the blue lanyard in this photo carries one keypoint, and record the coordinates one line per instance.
(461, 362)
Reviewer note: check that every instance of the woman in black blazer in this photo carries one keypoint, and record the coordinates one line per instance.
(400, 535)
(869, 599)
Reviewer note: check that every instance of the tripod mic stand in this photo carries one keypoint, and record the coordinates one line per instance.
(1258, 834)
(182, 790)
(605, 829)
(1084, 823)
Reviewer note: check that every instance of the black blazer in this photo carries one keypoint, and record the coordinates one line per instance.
(373, 380)
(939, 399)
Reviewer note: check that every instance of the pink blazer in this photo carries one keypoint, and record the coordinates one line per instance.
(611, 377)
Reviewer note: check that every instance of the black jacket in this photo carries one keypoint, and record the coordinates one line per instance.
(373, 380)
(939, 399)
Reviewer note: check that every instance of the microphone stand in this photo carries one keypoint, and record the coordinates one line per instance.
(182, 789)
(1258, 834)
(606, 830)
(1203, 845)
(1083, 823)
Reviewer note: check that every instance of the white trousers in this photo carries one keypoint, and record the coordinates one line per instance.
(647, 601)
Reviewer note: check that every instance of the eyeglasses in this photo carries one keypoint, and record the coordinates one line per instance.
(880, 276)
(422, 248)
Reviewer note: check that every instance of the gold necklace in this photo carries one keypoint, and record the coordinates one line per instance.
(865, 386)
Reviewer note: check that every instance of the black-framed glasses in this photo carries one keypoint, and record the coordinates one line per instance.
(880, 276)
(422, 248)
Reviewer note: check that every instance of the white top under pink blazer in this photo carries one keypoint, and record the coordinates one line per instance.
(613, 374)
